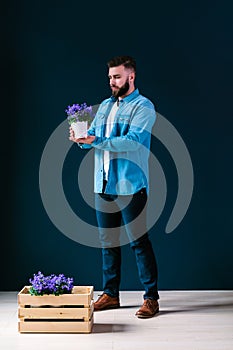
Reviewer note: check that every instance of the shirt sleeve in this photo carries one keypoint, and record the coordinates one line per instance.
(140, 128)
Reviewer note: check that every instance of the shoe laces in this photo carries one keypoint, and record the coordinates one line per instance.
(150, 303)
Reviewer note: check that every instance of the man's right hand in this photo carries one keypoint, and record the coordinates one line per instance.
(72, 137)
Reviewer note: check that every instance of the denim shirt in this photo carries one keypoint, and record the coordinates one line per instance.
(128, 144)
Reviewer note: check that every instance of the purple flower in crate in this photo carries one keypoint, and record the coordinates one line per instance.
(79, 113)
(52, 284)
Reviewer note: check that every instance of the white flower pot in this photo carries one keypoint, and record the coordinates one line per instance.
(80, 129)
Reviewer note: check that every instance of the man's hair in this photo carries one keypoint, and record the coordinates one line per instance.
(127, 61)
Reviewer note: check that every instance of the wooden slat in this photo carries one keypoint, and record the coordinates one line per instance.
(55, 327)
(81, 295)
(56, 312)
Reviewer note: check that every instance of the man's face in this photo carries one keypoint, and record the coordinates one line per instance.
(119, 80)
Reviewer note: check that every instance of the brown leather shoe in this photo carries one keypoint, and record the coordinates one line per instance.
(105, 302)
(149, 308)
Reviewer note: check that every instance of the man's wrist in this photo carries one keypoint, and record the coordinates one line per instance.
(97, 140)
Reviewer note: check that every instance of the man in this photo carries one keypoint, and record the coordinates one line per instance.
(121, 135)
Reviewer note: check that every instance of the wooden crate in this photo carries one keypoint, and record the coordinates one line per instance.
(67, 313)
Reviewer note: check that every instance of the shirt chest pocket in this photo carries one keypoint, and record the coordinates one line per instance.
(123, 124)
(124, 119)
(99, 124)
(100, 118)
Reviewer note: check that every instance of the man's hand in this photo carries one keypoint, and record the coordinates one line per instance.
(88, 140)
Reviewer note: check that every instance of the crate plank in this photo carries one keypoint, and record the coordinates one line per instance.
(56, 312)
(56, 327)
(80, 295)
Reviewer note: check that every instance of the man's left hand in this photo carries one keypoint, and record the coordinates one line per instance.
(88, 140)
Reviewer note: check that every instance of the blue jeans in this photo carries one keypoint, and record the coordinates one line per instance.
(112, 211)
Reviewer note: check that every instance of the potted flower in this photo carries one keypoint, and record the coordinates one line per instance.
(80, 117)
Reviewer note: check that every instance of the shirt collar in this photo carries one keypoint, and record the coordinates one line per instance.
(127, 98)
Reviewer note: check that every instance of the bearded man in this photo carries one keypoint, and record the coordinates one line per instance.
(121, 135)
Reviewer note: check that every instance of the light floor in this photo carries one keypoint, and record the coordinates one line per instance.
(188, 320)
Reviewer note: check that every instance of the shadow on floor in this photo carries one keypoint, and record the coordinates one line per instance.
(108, 328)
(196, 308)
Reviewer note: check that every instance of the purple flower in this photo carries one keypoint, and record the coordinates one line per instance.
(52, 284)
(79, 112)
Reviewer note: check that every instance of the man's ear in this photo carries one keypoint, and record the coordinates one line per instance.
(132, 76)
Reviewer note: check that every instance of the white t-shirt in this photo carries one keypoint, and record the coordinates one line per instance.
(109, 126)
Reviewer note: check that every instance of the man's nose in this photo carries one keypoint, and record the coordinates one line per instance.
(112, 81)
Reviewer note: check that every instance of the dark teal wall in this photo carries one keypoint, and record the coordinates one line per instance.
(54, 53)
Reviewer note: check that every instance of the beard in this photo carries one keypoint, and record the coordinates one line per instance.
(122, 90)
